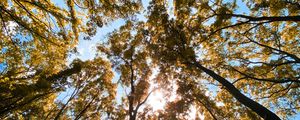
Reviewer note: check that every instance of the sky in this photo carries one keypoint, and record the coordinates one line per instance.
(87, 51)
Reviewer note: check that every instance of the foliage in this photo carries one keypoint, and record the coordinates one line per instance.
(36, 38)
(224, 61)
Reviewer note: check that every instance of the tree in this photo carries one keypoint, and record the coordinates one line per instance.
(221, 47)
(36, 39)
(93, 92)
(247, 59)
(189, 40)
(132, 64)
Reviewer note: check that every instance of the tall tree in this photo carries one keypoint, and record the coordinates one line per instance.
(36, 38)
(202, 35)
(132, 64)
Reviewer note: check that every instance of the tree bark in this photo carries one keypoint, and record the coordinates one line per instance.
(253, 105)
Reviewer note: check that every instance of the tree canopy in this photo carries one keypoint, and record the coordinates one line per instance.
(223, 59)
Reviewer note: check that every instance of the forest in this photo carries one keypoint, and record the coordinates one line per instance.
(151, 60)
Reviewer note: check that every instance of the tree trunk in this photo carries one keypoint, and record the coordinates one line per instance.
(254, 106)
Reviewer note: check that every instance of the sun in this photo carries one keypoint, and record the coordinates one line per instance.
(158, 101)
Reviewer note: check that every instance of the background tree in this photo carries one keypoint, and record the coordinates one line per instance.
(125, 51)
(93, 92)
(36, 39)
